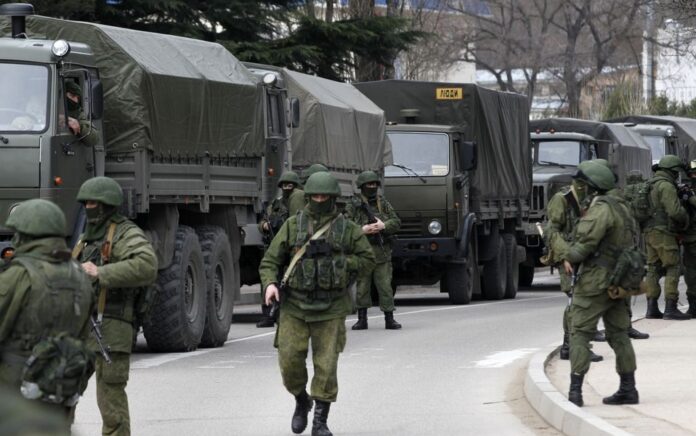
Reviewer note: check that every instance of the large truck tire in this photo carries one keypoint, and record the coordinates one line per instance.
(461, 278)
(513, 272)
(526, 275)
(221, 278)
(177, 317)
(494, 278)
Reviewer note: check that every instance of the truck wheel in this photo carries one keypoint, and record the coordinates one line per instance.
(221, 279)
(526, 275)
(513, 272)
(494, 278)
(177, 317)
(461, 278)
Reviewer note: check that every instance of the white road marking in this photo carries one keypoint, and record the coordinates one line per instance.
(147, 362)
(502, 358)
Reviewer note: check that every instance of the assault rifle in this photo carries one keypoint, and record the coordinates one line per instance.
(371, 219)
(103, 349)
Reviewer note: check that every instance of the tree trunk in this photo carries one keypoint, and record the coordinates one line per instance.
(329, 11)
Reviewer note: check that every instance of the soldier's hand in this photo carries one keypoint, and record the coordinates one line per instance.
(272, 294)
(74, 125)
(367, 229)
(568, 267)
(265, 226)
(91, 269)
(379, 225)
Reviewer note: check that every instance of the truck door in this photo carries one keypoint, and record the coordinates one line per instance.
(71, 159)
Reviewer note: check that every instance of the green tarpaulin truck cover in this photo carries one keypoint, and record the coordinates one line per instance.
(496, 121)
(166, 93)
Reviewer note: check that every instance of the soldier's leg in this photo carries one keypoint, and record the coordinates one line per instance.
(617, 323)
(382, 276)
(363, 297)
(564, 353)
(328, 341)
(652, 279)
(633, 333)
(689, 263)
(585, 314)
(292, 341)
(111, 394)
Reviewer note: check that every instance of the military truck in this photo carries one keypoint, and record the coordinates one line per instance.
(460, 182)
(186, 130)
(664, 134)
(341, 129)
(558, 146)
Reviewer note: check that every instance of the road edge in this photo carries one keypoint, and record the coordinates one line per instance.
(554, 407)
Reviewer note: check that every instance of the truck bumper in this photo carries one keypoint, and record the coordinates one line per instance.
(424, 247)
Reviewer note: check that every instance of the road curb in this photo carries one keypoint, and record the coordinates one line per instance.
(555, 408)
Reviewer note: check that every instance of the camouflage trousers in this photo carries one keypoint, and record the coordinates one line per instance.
(328, 338)
(111, 394)
(585, 314)
(663, 259)
(689, 263)
(381, 277)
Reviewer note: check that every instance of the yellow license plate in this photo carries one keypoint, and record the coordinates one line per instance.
(448, 93)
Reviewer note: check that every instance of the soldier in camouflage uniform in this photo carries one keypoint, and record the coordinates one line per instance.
(563, 211)
(364, 206)
(278, 211)
(668, 218)
(689, 260)
(607, 227)
(118, 280)
(43, 292)
(78, 123)
(325, 251)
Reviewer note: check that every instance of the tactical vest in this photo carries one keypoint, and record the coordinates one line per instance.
(59, 301)
(119, 302)
(279, 213)
(322, 273)
(659, 216)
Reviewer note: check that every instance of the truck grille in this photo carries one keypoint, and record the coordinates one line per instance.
(410, 227)
(538, 198)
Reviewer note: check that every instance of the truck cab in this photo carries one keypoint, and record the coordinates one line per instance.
(661, 139)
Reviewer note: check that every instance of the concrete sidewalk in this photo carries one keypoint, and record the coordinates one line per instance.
(665, 379)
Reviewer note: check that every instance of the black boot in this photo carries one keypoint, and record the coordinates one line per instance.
(653, 311)
(303, 404)
(595, 357)
(575, 392)
(599, 336)
(362, 320)
(564, 354)
(635, 334)
(692, 307)
(389, 322)
(266, 320)
(321, 414)
(627, 393)
(671, 311)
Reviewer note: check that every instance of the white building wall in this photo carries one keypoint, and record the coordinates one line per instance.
(675, 77)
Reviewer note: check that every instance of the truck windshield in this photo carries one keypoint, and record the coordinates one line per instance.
(559, 153)
(657, 146)
(426, 154)
(23, 97)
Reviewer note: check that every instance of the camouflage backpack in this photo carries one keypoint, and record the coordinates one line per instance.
(638, 197)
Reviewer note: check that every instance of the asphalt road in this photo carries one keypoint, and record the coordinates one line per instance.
(451, 370)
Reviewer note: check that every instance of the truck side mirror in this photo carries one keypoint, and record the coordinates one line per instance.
(97, 107)
(294, 112)
(468, 155)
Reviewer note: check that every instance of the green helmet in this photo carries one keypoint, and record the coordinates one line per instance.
(367, 177)
(670, 162)
(322, 183)
(596, 175)
(603, 162)
(37, 217)
(289, 177)
(73, 88)
(102, 189)
(314, 168)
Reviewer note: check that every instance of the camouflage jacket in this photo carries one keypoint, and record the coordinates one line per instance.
(89, 134)
(133, 264)
(562, 219)
(382, 209)
(351, 254)
(599, 233)
(669, 215)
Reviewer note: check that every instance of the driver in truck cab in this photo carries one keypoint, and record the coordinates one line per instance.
(79, 124)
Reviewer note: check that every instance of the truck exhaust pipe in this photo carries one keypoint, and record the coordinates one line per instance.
(18, 13)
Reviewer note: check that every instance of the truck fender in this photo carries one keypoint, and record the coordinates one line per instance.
(464, 234)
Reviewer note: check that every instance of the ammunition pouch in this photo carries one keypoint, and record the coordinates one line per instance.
(318, 248)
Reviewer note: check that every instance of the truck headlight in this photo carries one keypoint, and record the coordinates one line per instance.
(60, 48)
(434, 227)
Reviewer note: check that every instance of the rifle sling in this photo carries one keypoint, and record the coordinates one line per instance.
(296, 258)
